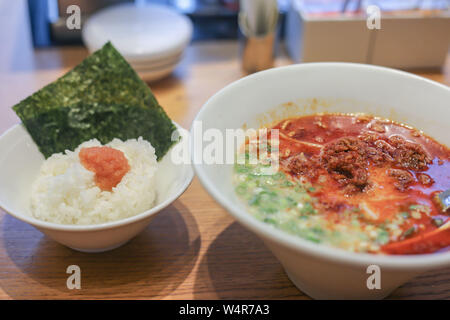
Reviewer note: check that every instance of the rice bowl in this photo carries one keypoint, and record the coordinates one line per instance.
(60, 198)
(65, 191)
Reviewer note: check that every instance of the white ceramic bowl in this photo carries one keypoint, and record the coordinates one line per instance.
(151, 37)
(139, 32)
(20, 162)
(318, 270)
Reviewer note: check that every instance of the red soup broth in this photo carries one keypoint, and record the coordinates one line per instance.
(376, 174)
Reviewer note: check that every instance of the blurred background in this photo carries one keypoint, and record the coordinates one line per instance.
(213, 19)
(414, 33)
(176, 44)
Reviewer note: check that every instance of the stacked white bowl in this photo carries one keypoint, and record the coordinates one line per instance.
(151, 37)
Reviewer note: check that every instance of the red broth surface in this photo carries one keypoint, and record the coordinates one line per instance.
(378, 168)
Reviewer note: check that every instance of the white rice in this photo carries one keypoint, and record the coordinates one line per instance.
(65, 192)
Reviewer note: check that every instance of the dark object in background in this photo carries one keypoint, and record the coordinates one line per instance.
(59, 33)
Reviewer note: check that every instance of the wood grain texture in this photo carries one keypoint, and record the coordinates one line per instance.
(191, 250)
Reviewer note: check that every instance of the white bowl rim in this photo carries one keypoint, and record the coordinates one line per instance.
(407, 262)
(101, 226)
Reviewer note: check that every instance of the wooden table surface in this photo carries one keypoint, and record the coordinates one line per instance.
(193, 249)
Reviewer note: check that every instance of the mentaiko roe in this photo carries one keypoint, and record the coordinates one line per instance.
(109, 165)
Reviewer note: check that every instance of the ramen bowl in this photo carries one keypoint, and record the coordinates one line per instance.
(321, 271)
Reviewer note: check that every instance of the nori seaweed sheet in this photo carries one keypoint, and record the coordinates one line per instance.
(101, 98)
